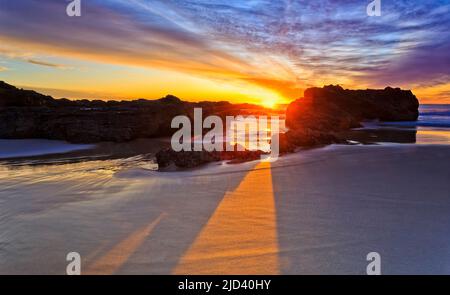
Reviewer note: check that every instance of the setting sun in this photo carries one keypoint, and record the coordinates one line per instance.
(270, 103)
(270, 99)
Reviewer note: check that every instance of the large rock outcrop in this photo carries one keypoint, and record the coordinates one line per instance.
(28, 114)
(317, 119)
(333, 108)
(323, 115)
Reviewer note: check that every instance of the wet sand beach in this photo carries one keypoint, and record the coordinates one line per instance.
(314, 212)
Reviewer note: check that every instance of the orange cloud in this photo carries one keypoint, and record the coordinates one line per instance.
(287, 89)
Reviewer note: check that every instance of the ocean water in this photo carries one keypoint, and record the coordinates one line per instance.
(16, 148)
(434, 124)
(432, 127)
(432, 115)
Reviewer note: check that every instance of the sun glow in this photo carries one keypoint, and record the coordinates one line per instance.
(270, 103)
(270, 99)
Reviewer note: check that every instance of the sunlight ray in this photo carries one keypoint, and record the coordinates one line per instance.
(111, 262)
(241, 235)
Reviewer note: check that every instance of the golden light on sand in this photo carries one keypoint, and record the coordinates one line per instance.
(241, 235)
(111, 262)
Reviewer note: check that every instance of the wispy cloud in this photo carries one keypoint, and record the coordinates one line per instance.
(47, 64)
(282, 45)
(29, 58)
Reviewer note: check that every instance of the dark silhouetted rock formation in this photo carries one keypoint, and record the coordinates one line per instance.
(28, 114)
(323, 114)
(320, 118)
(189, 159)
(334, 108)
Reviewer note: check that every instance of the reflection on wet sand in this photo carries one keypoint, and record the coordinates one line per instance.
(428, 136)
(373, 136)
(418, 135)
(241, 235)
(332, 207)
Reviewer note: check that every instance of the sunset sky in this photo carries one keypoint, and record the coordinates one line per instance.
(258, 51)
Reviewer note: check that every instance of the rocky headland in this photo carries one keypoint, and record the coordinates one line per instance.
(28, 114)
(323, 116)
